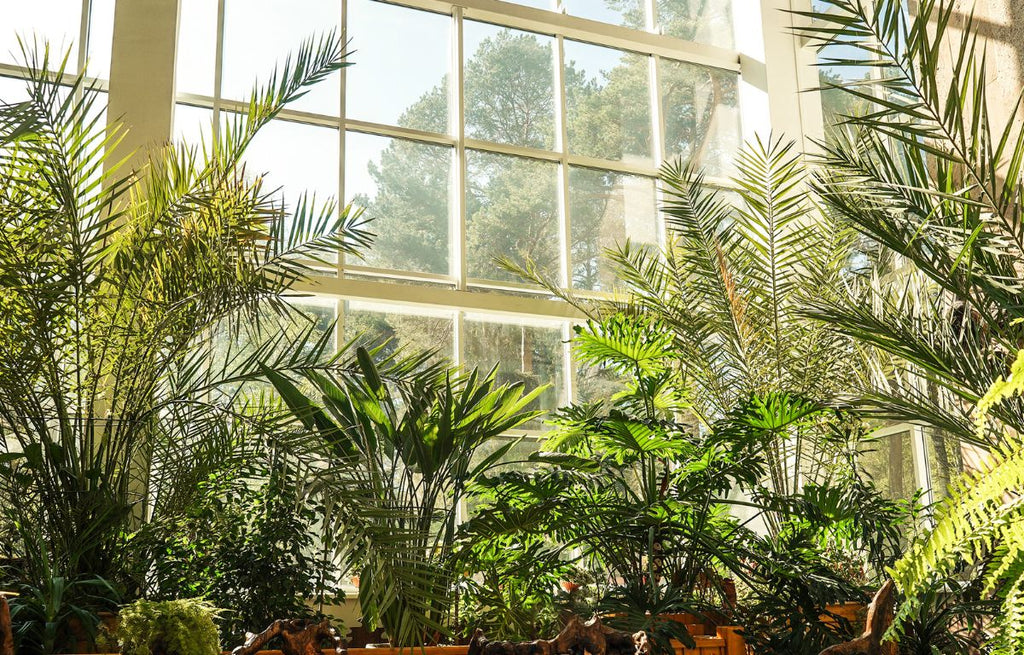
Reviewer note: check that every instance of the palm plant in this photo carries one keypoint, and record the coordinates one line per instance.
(114, 395)
(389, 442)
(730, 287)
(627, 491)
(934, 183)
(626, 488)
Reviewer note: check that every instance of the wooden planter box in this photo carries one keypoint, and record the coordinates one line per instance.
(855, 613)
(725, 642)
(426, 650)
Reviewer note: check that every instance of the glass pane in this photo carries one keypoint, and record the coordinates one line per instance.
(607, 95)
(629, 13)
(13, 90)
(57, 22)
(259, 34)
(605, 209)
(509, 90)
(889, 461)
(101, 36)
(511, 209)
(404, 187)
(945, 460)
(376, 324)
(702, 118)
(192, 125)
(385, 84)
(523, 352)
(197, 47)
(297, 158)
(698, 20)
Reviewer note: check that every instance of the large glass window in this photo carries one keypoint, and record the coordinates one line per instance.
(60, 24)
(478, 136)
(526, 352)
(57, 22)
(511, 210)
(605, 209)
(509, 86)
(701, 113)
(259, 34)
(606, 94)
(399, 329)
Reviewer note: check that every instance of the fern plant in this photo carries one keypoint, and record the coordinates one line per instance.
(980, 527)
(169, 627)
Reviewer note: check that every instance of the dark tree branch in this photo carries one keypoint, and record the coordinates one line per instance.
(878, 621)
(576, 637)
(300, 638)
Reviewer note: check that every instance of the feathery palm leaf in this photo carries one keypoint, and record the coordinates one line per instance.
(930, 176)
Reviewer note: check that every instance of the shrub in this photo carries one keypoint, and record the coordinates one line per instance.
(248, 547)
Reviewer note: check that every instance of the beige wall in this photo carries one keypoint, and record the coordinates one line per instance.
(1001, 24)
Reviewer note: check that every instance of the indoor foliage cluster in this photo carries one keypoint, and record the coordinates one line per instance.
(172, 428)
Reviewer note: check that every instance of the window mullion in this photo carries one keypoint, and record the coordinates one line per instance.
(342, 135)
(218, 69)
(458, 122)
(658, 146)
(561, 123)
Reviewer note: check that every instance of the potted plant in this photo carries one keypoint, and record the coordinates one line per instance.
(170, 627)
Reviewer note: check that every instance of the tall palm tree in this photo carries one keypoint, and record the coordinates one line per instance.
(114, 284)
(930, 178)
(731, 285)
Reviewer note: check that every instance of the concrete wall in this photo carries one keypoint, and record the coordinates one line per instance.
(1001, 24)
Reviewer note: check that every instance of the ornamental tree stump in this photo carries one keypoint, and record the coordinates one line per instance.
(577, 637)
(301, 637)
(879, 619)
(6, 631)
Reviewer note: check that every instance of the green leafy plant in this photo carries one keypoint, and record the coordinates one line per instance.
(398, 435)
(115, 285)
(250, 548)
(169, 627)
(948, 617)
(834, 542)
(56, 614)
(979, 529)
(623, 488)
(930, 174)
(729, 291)
(511, 588)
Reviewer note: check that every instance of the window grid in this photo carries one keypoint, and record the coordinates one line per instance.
(82, 41)
(457, 140)
(545, 23)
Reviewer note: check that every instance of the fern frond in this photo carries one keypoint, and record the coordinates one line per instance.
(980, 525)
